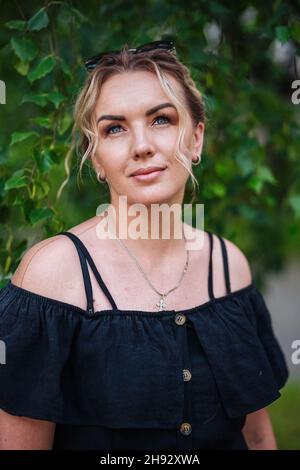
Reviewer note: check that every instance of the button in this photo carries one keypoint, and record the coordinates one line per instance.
(186, 375)
(186, 429)
(180, 319)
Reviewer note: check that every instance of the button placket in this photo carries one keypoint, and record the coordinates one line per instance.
(184, 437)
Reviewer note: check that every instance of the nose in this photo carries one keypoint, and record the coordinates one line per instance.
(142, 147)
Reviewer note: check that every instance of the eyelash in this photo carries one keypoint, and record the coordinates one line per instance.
(108, 129)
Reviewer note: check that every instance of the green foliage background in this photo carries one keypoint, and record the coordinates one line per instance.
(250, 174)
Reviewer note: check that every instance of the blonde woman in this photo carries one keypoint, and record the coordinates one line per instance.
(137, 343)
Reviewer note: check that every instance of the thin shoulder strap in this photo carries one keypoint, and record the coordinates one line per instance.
(210, 267)
(225, 264)
(85, 257)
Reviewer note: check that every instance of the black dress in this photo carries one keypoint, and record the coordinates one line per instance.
(126, 379)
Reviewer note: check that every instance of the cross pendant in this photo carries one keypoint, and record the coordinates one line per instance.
(161, 303)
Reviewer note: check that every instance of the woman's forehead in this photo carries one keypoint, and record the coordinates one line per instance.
(130, 88)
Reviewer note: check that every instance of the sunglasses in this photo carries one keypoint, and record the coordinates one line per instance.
(91, 63)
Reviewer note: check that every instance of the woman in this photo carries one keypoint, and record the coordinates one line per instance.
(169, 348)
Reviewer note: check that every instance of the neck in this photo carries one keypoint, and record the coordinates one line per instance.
(154, 240)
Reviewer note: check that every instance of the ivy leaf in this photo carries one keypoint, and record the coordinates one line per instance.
(40, 214)
(38, 98)
(39, 21)
(56, 98)
(24, 48)
(22, 68)
(21, 136)
(43, 121)
(64, 123)
(44, 160)
(20, 25)
(42, 69)
(66, 68)
(17, 180)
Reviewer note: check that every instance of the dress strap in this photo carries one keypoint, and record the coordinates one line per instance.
(210, 270)
(225, 264)
(85, 258)
(210, 266)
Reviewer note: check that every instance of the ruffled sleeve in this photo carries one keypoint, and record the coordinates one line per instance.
(246, 359)
(260, 315)
(36, 343)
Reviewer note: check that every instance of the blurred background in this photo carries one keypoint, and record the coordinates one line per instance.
(245, 59)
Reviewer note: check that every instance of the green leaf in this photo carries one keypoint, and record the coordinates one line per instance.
(43, 121)
(39, 21)
(294, 202)
(45, 159)
(21, 136)
(16, 24)
(218, 189)
(22, 68)
(255, 183)
(40, 214)
(66, 69)
(264, 174)
(56, 98)
(17, 180)
(43, 189)
(38, 98)
(24, 48)
(42, 69)
(64, 123)
(283, 33)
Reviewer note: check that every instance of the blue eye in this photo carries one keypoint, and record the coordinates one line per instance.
(109, 128)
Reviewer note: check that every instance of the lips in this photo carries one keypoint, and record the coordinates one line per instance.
(145, 171)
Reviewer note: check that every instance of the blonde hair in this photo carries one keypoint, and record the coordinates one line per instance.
(157, 61)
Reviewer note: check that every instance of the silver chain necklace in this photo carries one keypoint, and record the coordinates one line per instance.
(161, 304)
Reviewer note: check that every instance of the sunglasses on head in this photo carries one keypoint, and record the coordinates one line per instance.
(91, 63)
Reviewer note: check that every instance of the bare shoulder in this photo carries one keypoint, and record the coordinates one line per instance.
(44, 267)
(239, 268)
(238, 265)
(51, 267)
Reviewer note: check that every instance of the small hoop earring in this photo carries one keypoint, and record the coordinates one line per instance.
(197, 162)
(101, 180)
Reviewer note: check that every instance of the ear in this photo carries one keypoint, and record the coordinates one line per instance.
(95, 164)
(198, 137)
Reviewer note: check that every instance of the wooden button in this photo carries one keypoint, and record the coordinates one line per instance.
(180, 319)
(185, 429)
(186, 375)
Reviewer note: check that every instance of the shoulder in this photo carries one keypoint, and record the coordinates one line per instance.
(51, 267)
(48, 266)
(44, 266)
(239, 269)
(238, 265)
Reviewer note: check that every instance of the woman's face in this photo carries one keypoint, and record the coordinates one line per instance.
(135, 139)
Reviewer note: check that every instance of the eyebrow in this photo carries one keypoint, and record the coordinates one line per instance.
(112, 117)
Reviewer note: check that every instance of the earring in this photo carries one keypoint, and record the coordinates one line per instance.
(198, 161)
(101, 180)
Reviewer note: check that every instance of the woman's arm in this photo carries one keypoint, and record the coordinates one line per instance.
(258, 431)
(21, 433)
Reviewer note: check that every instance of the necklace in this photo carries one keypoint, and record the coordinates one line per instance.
(161, 304)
